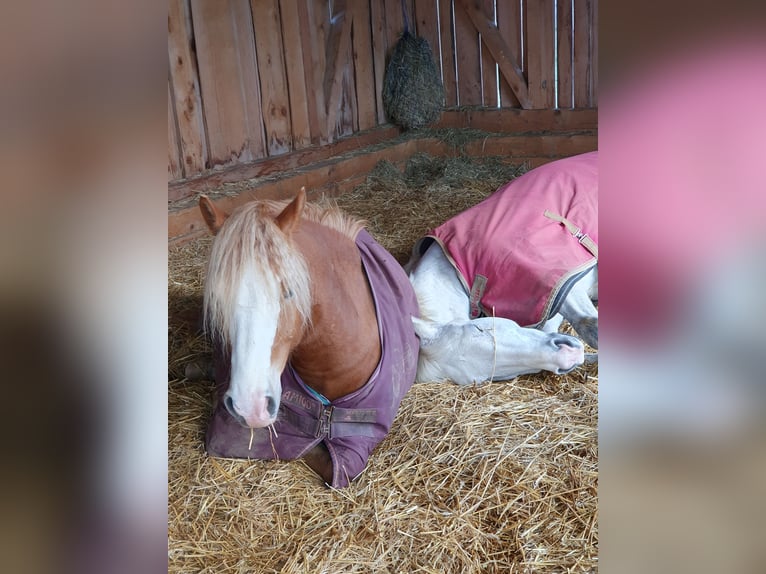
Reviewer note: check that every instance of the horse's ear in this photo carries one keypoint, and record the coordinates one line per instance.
(214, 217)
(291, 214)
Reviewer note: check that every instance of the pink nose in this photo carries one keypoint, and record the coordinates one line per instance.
(262, 413)
(570, 354)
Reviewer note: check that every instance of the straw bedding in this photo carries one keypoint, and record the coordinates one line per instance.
(498, 477)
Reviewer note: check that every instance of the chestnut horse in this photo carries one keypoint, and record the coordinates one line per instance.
(311, 320)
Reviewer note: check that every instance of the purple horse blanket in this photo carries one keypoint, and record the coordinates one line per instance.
(518, 252)
(353, 425)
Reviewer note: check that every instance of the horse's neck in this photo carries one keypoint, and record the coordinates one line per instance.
(341, 349)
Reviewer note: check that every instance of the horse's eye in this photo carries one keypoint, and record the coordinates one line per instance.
(288, 293)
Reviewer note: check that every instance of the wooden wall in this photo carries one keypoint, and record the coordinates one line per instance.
(261, 78)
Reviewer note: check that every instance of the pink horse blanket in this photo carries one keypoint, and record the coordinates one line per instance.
(519, 251)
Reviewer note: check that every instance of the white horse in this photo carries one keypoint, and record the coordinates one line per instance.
(461, 338)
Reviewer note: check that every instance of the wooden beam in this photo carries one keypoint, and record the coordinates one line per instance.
(180, 190)
(502, 53)
(332, 177)
(512, 121)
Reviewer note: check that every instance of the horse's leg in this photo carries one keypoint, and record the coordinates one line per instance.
(318, 459)
(579, 310)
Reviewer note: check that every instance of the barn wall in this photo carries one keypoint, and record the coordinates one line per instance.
(259, 79)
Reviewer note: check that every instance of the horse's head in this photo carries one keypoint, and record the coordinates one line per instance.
(491, 348)
(257, 301)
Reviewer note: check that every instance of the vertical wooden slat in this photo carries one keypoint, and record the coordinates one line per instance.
(379, 51)
(448, 52)
(468, 62)
(348, 111)
(394, 22)
(509, 26)
(274, 98)
(187, 102)
(364, 70)
(488, 65)
(426, 24)
(337, 61)
(540, 69)
(229, 79)
(296, 79)
(583, 55)
(594, 56)
(321, 23)
(175, 170)
(564, 42)
(313, 74)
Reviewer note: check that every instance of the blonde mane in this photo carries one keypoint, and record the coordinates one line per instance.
(251, 239)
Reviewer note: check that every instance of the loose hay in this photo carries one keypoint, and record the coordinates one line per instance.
(500, 477)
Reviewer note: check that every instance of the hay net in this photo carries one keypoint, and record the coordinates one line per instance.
(413, 93)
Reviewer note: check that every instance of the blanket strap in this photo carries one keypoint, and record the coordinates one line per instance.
(583, 238)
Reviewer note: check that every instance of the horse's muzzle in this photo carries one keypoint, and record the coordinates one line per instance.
(264, 413)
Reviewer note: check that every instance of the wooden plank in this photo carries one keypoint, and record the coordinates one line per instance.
(320, 18)
(272, 166)
(594, 56)
(347, 121)
(515, 149)
(499, 50)
(340, 174)
(509, 27)
(449, 76)
(332, 177)
(489, 69)
(338, 41)
(296, 79)
(175, 169)
(394, 22)
(564, 49)
(229, 80)
(509, 120)
(526, 146)
(364, 70)
(311, 68)
(468, 61)
(187, 102)
(583, 53)
(379, 50)
(540, 65)
(273, 81)
(427, 24)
